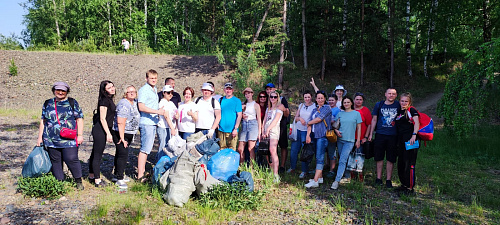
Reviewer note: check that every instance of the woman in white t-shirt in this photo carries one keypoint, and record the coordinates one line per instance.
(166, 124)
(302, 116)
(250, 125)
(271, 130)
(187, 114)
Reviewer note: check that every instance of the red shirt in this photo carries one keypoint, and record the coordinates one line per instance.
(366, 116)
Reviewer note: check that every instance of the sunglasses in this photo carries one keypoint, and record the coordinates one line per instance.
(168, 92)
(320, 92)
(262, 96)
(273, 96)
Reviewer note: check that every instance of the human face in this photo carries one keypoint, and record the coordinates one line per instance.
(110, 88)
(171, 83)
(131, 93)
(262, 98)
(307, 99)
(404, 102)
(248, 95)
(60, 94)
(347, 103)
(168, 95)
(390, 95)
(206, 93)
(332, 102)
(188, 95)
(320, 99)
(152, 79)
(274, 98)
(228, 91)
(269, 90)
(358, 101)
(339, 93)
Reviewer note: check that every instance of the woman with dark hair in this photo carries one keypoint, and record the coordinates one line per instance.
(350, 127)
(262, 100)
(317, 126)
(302, 116)
(102, 130)
(407, 124)
(62, 113)
(187, 114)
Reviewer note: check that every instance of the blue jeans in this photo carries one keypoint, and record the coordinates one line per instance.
(295, 149)
(321, 144)
(344, 148)
(163, 138)
(185, 135)
(147, 137)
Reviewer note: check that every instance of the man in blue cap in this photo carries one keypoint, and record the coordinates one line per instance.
(283, 141)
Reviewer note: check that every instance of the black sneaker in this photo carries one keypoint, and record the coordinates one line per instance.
(91, 180)
(101, 184)
(80, 186)
(400, 188)
(407, 192)
(388, 184)
(378, 182)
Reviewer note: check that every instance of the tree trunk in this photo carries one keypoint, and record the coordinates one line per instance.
(429, 48)
(390, 35)
(304, 42)
(344, 36)
(256, 36)
(282, 50)
(156, 21)
(486, 21)
(408, 45)
(361, 43)
(109, 22)
(146, 13)
(57, 24)
(325, 39)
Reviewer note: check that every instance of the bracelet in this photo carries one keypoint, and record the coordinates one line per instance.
(414, 134)
(366, 137)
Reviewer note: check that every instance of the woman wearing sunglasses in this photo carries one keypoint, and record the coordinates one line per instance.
(272, 130)
(166, 124)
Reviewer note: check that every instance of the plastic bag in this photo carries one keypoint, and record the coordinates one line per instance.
(224, 164)
(243, 177)
(307, 153)
(203, 180)
(207, 148)
(293, 132)
(161, 166)
(181, 184)
(176, 145)
(37, 163)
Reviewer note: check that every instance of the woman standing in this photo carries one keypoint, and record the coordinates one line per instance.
(407, 124)
(187, 114)
(102, 130)
(126, 124)
(166, 124)
(340, 92)
(263, 99)
(251, 126)
(356, 163)
(332, 147)
(302, 116)
(58, 113)
(272, 130)
(316, 128)
(350, 124)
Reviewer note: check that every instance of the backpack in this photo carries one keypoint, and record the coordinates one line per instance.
(426, 129)
(198, 99)
(70, 100)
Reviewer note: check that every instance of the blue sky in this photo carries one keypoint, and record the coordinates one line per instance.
(11, 17)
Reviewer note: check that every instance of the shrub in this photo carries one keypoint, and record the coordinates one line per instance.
(46, 186)
(12, 68)
(234, 197)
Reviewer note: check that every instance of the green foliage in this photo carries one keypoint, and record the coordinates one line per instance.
(250, 74)
(234, 197)
(10, 43)
(469, 96)
(12, 68)
(46, 186)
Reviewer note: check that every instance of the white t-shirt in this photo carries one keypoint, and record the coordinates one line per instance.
(206, 115)
(168, 106)
(250, 111)
(305, 113)
(186, 122)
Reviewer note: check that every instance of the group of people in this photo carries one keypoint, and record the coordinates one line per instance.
(237, 125)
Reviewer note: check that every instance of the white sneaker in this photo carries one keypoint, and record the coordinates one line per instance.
(320, 180)
(335, 185)
(125, 179)
(121, 184)
(311, 184)
(302, 175)
(345, 181)
(289, 170)
(277, 178)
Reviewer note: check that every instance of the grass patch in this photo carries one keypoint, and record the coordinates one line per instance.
(45, 186)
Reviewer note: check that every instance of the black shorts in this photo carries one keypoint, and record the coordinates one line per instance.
(283, 141)
(385, 146)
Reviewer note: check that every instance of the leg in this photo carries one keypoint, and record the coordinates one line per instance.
(233, 142)
(332, 154)
(162, 137)
(251, 149)
(273, 147)
(141, 164)
(391, 155)
(70, 157)
(241, 148)
(283, 144)
(121, 155)
(222, 139)
(344, 150)
(55, 155)
(147, 141)
(380, 166)
(379, 148)
(321, 144)
(97, 151)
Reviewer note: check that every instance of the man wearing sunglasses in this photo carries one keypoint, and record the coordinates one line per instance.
(283, 141)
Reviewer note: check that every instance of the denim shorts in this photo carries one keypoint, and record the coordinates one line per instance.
(147, 137)
(249, 131)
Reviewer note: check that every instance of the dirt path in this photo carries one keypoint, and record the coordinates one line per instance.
(429, 106)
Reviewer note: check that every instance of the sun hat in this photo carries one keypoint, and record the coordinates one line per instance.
(60, 85)
(228, 85)
(340, 87)
(207, 86)
(271, 85)
(167, 88)
(247, 90)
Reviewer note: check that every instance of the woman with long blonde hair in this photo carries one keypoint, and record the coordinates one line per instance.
(271, 129)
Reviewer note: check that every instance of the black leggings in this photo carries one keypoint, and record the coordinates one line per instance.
(70, 157)
(121, 154)
(97, 150)
(406, 162)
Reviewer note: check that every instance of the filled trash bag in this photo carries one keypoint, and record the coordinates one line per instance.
(203, 180)
(161, 166)
(224, 164)
(207, 148)
(242, 177)
(181, 184)
(37, 163)
(176, 145)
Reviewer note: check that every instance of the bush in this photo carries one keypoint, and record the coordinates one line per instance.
(234, 197)
(46, 186)
(12, 68)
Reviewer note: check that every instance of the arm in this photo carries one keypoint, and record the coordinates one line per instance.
(316, 89)
(358, 130)
(193, 115)
(169, 122)
(145, 109)
(308, 136)
(40, 132)
(367, 133)
(238, 120)
(103, 111)
(416, 126)
(257, 110)
(217, 119)
(121, 130)
(79, 123)
(286, 111)
(372, 128)
(314, 121)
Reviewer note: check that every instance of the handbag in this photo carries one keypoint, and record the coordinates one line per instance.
(307, 153)
(65, 133)
(293, 129)
(331, 136)
(263, 147)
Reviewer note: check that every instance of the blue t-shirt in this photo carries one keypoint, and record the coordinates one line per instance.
(385, 117)
(230, 107)
(148, 96)
(348, 123)
(67, 118)
(335, 111)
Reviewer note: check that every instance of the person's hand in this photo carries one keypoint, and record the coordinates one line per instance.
(308, 139)
(125, 143)
(109, 138)
(370, 137)
(358, 144)
(312, 82)
(302, 121)
(234, 133)
(39, 141)
(210, 133)
(412, 139)
(364, 140)
(190, 113)
(174, 132)
(245, 116)
(161, 111)
(79, 139)
(338, 133)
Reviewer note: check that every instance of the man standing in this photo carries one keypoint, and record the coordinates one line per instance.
(148, 107)
(384, 114)
(176, 97)
(283, 141)
(126, 45)
(208, 111)
(231, 112)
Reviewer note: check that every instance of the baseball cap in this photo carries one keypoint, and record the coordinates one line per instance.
(228, 85)
(271, 85)
(167, 88)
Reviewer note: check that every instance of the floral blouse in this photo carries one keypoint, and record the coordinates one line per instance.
(67, 117)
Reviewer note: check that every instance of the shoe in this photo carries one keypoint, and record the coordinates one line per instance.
(400, 188)
(388, 184)
(121, 184)
(378, 182)
(91, 180)
(281, 170)
(80, 186)
(101, 184)
(125, 179)
(330, 174)
(302, 175)
(277, 179)
(290, 170)
(320, 180)
(335, 185)
(312, 184)
(345, 181)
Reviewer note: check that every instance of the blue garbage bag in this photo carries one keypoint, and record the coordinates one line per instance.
(243, 177)
(161, 167)
(224, 164)
(37, 163)
(207, 148)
